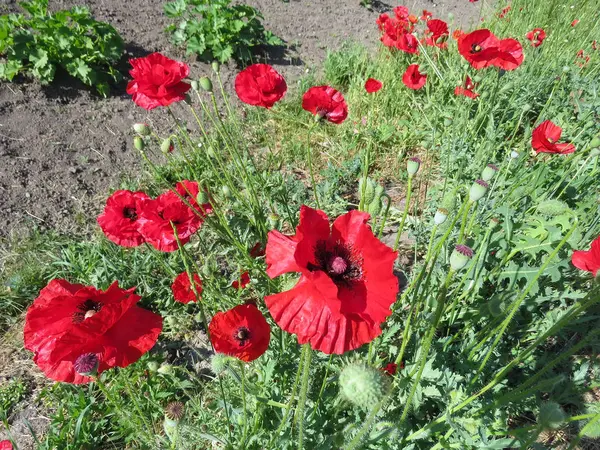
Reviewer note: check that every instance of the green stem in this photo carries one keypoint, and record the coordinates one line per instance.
(245, 411)
(299, 416)
(310, 166)
(405, 214)
(461, 235)
(366, 427)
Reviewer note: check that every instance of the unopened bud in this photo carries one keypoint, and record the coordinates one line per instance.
(206, 84)
(195, 85)
(363, 386)
(138, 143)
(165, 369)
(412, 166)
(216, 66)
(595, 142)
(514, 154)
(273, 220)
(141, 128)
(152, 366)
(448, 121)
(202, 197)
(478, 190)
(226, 191)
(166, 146)
(460, 257)
(551, 415)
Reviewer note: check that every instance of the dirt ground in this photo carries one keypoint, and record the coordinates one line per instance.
(62, 147)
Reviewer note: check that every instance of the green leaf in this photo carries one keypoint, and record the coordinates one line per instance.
(9, 69)
(175, 9)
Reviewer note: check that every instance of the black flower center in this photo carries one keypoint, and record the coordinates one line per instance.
(130, 213)
(242, 335)
(338, 261)
(476, 48)
(86, 310)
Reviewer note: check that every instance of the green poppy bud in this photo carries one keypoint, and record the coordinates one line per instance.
(514, 154)
(363, 386)
(141, 128)
(477, 79)
(195, 85)
(460, 257)
(206, 84)
(202, 197)
(412, 166)
(526, 107)
(220, 363)
(551, 415)
(226, 191)
(138, 143)
(489, 172)
(595, 142)
(566, 69)
(166, 369)
(440, 216)
(369, 190)
(447, 121)
(552, 208)
(478, 190)
(152, 366)
(166, 146)
(215, 66)
(273, 220)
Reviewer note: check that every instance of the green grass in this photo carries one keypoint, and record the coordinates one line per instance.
(519, 288)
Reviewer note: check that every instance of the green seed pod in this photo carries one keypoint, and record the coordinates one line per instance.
(152, 366)
(138, 143)
(363, 386)
(595, 142)
(87, 364)
(166, 146)
(195, 85)
(552, 208)
(206, 84)
(216, 66)
(440, 216)
(477, 79)
(141, 128)
(489, 172)
(460, 256)
(551, 415)
(478, 190)
(369, 193)
(526, 107)
(412, 166)
(220, 363)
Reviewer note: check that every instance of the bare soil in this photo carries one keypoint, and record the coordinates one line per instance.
(62, 146)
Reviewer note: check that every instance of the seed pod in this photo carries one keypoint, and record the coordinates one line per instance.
(489, 172)
(141, 128)
(138, 143)
(206, 84)
(460, 256)
(363, 386)
(440, 216)
(87, 364)
(478, 190)
(412, 166)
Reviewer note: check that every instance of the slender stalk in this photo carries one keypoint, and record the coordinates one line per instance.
(245, 410)
(299, 416)
(461, 235)
(366, 427)
(405, 214)
(310, 166)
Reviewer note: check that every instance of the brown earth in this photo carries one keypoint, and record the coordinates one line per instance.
(62, 147)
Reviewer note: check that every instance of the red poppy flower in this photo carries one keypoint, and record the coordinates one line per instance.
(414, 79)
(182, 288)
(456, 34)
(536, 36)
(575, 22)
(397, 34)
(242, 282)
(588, 260)
(346, 287)
(390, 369)
(544, 139)
(258, 250)
(510, 54)
(504, 12)
(438, 33)
(6, 445)
(401, 12)
(407, 43)
(594, 45)
(325, 102)
(473, 1)
(372, 85)
(160, 215)
(479, 48)
(70, 322)
(119, 221)
(413, 19)
(466, 89)
(242, 332)
(583, 57)
(260, 85)
(426, 15)
(189, 191)
(157, 81)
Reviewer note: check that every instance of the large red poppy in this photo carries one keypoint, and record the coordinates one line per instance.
(544, 139)
(182, 288)
(157, 81)
(536, 36)
(346, 287)
(189, 191)
(242, 332)
(466, 89)
(119, 221)
(260, 85)
(372, 85)
(397, 33)
(325, 102)
(68, 321)
(510, 54)
(482, 49)
(588, 260)
(414, 79)
(437, 31)
(160, 215)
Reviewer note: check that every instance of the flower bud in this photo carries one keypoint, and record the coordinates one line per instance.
(138, 143)
(220, 363)
(215, 66)
(273, 220)
(551, 415)
(440, 216)
(226, 191)
(526, 107)
(478, 190)
(448, 121)
(363, 386)
(477, 79)
(165, 369)
(87, 364)
(489, 172)
(195, 85)
(369, 190)
(566, 69)
(514, 154)
(141, 128)
(460, 257)
(202, 197)
(166, 146)
(412, 166)
(206, 84)
(152, 366)
(595, 142)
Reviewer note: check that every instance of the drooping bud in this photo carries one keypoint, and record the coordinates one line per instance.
(141, 128)
(138, 143)
(369, 190)
(478, 190)
(166, 146)
(551, 415)
(195, 85)
(87, 364)
(216, 66)
(206, 84)
(363, 386)
(165, 369)
(489, 172)
(460, 256)
(412, 166)
(440, 216)
(595, 142)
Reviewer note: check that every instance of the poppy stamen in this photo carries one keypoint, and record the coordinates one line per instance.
(242, 335)
(476, 48)
(130, 213)
(86, 310)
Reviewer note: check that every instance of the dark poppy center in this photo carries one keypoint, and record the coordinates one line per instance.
(85, 310)
(338, 261)
(476, 48)
(242, 335)
(551, 140)
(130, 213)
